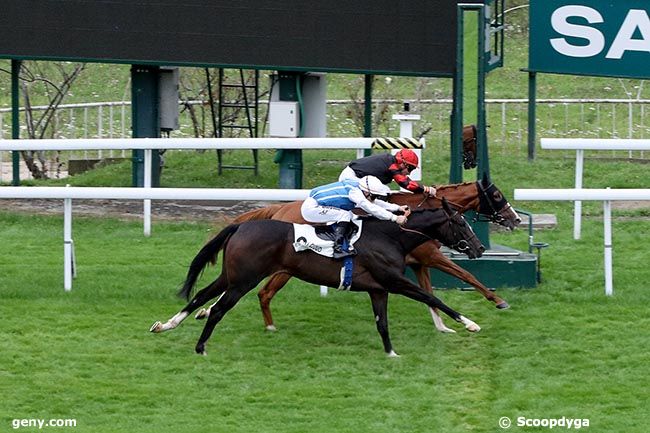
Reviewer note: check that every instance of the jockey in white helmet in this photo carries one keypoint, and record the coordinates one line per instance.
(333, 203)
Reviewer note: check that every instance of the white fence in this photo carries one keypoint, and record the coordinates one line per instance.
(507, 120)
(148, 144)
(582, 144)
(147, 193)
(604, 195)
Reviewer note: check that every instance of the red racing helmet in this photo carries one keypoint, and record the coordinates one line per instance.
(408, 157)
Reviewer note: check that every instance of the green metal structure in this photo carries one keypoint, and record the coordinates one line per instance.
(146, 122)
(500, 266)
(290, 161)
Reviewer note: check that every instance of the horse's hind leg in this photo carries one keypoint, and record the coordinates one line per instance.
(227, 301)
(212, 290)
(273, 285)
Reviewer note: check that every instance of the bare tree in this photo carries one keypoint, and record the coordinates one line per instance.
(52, 86)
(356, 110)
(196, 84)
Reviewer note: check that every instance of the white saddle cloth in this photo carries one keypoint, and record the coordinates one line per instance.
(305, 238)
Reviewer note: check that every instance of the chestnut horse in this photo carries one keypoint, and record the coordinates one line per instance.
(257, 249)
(469, 146)
(482, 196)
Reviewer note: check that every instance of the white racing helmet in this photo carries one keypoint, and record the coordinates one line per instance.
(373, 186)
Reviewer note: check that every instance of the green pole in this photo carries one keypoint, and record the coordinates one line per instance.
(483, 154)
(456, 169)
(532, 113)
(290, 160)
(367, 112)
(15, 119)
(481, 228)
(145, 119)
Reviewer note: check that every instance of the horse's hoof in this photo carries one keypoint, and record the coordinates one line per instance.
(503, 305)
(156, 327)
(446, 330)
(392, 354)
(200, 350)
(271, 328)
(201, 314)
(469, 324)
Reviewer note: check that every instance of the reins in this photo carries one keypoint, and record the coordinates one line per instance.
(416, 232)
(461, 245)
(425, 196)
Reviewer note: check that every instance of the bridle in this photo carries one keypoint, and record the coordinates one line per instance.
(486, 207)
(461, 245)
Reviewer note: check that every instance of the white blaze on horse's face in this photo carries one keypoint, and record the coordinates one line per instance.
(511, 218)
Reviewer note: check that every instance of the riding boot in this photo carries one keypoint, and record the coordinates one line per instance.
(340, 233)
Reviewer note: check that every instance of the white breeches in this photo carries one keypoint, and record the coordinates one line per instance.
(314, 213)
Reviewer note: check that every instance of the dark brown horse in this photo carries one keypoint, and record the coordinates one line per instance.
(482, 196)
(257, 249)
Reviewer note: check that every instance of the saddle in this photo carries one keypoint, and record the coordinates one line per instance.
(320, 239)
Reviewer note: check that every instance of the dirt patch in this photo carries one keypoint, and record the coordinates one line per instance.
(630, 205)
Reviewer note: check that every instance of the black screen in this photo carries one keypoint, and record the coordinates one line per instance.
(411, 37)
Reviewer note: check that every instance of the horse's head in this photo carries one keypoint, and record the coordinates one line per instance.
(448, 226)
(494, 206)
(469, 146)
(458, 234)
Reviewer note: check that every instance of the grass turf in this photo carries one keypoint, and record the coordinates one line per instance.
(563, 349)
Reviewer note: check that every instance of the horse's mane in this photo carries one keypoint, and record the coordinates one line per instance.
(259, 214)
(454, 185)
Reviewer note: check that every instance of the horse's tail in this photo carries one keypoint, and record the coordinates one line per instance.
(208, 254)
(259, 214)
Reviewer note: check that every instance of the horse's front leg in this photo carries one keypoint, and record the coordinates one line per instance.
(212, 290)
(405, 287)
(266, 294)
(428, 254)
(424, 279)
(379, 300)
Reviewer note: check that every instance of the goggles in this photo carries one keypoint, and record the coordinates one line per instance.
(376, 197)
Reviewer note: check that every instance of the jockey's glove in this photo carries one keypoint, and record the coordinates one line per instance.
(429, 190)
(405, 210)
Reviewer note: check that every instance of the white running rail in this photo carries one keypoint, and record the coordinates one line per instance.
(606, 196)
(582, 144)
(69, 193)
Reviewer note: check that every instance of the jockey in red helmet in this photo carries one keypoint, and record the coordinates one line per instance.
(387, 167)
